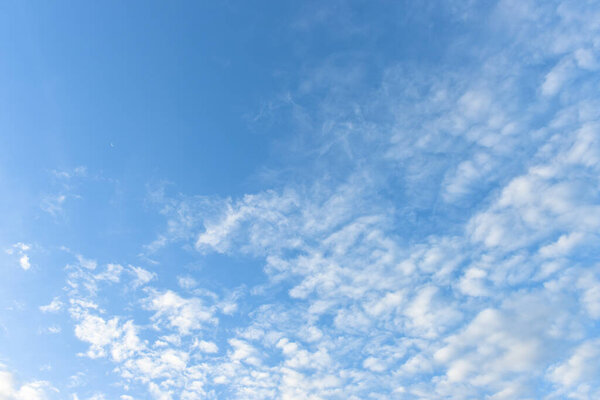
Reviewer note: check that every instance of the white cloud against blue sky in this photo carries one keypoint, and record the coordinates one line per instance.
(283, 200)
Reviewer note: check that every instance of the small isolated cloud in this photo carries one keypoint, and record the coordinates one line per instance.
(22, 247)
(79, 171)
(51, 330)
(24, 262)
(186, 282)
(53, 204)
(20, 250)
(141, 276)
(54, 306)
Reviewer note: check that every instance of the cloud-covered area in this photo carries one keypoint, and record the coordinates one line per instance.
(431, 236)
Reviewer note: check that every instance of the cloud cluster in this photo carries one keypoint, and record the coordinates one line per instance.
(449, 252)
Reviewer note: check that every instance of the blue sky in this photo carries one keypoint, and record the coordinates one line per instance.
(300, 200)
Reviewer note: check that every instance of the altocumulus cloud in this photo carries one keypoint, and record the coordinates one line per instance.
(448, 251)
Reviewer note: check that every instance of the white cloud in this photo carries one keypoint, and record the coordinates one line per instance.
(563, 245)
(79, 171)
(473, 284)
(374, 364)
(205, 346)
(54, 306)
(185, 315)
(86, 263)
(557, 77)
(468, 175)
(429, 314)
(97, 396)
(499, 345)
(22, 246)
(551, 197)
(589, 284)
(186, 282)
(141, 275)
(53, 330)
(53, 205)
(243, 351)
(21, 250)
(120, 339)
(112, 273)
(11, 390)
(580, 367)
(586, 59)
(157, 393)
(24, 262)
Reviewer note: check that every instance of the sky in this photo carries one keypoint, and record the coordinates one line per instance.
(300, 200)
